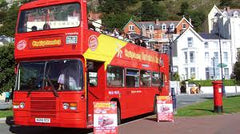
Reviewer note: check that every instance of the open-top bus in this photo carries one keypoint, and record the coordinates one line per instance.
(63, 67)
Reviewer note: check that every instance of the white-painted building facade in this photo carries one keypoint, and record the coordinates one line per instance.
(196, 56)
(227, 22)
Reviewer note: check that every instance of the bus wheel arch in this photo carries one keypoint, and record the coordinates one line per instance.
(118, 110)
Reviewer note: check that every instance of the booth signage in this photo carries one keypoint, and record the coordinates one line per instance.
(105, 117)
(164, 108)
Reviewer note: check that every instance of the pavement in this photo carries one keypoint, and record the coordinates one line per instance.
(218, 124)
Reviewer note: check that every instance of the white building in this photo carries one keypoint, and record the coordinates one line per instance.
(5, 40)
(197, 56)
(227, 22)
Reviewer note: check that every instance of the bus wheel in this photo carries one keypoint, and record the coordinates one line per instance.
(118, 115)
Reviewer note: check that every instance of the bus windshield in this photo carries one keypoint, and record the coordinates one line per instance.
(51, 17)
(58, 75)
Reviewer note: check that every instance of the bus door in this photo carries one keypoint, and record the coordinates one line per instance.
(133, 97)
(95, 84)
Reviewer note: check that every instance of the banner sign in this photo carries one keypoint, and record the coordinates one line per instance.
(105, 117)
(164, 108)
(46, 42)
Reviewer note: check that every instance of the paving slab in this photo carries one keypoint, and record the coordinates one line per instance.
(218, 124)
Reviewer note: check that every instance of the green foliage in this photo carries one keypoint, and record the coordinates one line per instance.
(209, 82)
(7, 75)
(224, 3)
(236, 69)
(152, 11)
(115, 6)
(176, 77)
(184, 9)
(9, 22)
(3, 8)
(198, 17)
(116, 21)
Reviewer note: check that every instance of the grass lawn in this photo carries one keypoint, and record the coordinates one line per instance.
(5, 113)
(230, 105)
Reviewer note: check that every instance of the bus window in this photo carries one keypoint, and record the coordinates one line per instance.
(132, 78)
(53, 74)
(54, 17)
(93, 79)
(156, 81)
(115, 76)
(145, 78)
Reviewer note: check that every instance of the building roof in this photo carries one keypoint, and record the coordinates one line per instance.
(136, 36)
(210, 36)
(156, 24)
(230, 12)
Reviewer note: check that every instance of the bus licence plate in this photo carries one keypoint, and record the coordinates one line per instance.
(43, 120)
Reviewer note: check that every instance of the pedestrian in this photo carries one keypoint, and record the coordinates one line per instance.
(7, 96)
(142, 43)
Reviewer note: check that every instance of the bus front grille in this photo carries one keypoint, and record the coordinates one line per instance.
(43, 107)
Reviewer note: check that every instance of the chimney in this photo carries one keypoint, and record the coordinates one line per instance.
(190, 20)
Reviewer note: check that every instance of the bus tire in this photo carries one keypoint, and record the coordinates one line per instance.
(9, 120)
(15, 128)
(118, 115)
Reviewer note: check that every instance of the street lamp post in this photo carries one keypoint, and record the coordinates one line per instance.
(213, 59)
(220, 49)
(170, 54)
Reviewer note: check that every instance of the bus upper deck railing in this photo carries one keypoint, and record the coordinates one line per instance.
(128, 37)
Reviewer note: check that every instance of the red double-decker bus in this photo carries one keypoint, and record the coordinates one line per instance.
(63, 67)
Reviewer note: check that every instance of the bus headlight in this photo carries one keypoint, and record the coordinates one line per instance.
(17, 105)
(70, 106)
(73, 106)
(22, 105)
(65, 106)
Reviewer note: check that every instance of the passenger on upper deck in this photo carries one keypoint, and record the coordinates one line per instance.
(137, 42)
(91, 26)
(115, 32)
(142, 43)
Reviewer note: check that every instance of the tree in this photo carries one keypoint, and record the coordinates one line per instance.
(236, 69)
(114, 6)
(9, 22)
(176, 77)
(224, 3)
(112, 21)
(198, 17)
(3, 9)
(152, 11)
(184, 8)
(7, 75)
